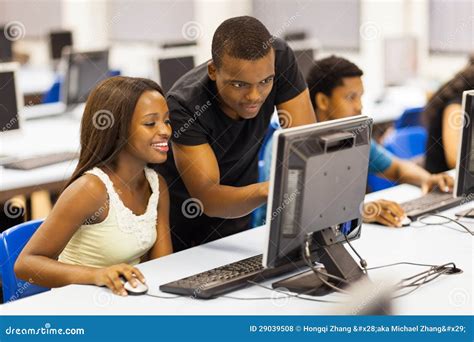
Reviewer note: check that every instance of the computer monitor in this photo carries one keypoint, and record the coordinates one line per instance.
(6, 52)
(465, 163)
(400, 60)
(57, 41)
(305, 60)
(11, 100)
(171, 69)
(83, 71)
(317, 187)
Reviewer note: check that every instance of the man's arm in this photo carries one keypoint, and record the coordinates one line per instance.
(199, 171)
(297, 111)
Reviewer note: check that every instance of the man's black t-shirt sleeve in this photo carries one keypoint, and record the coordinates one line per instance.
(289, 80)
(185, 124)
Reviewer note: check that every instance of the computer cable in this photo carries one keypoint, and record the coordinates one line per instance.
(420, 220)
(362, 261)
(163, 297)
(318, 272)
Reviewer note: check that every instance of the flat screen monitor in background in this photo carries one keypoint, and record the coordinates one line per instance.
(83, 71)
(400, 60)
(178, 44)
(317, 187)
(11, 100)
(58, 40)
(295, 35)
(305, 60)
(465, 162)
(171, 69)
(6, 52)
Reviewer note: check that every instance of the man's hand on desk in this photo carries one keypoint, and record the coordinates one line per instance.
(384, 212)
(443, 181)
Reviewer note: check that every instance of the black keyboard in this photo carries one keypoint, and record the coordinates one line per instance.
(227, 278)
(432, 202)
(40, 160)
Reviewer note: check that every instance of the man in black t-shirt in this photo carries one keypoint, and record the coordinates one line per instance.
(220, 112)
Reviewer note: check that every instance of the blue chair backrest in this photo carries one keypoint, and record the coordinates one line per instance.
(404, 143)
(12, 242)
(408, 142)
(410, 117)
(264, 161)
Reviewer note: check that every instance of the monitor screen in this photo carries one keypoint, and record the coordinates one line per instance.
(171, 69)
(305, 60)
(471, 155)
(84, 71)
(8, 102)
(465, 162)
(6, 53)
(58, 40)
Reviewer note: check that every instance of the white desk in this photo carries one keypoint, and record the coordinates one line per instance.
(60, 133)
(35, 80)
(450, 295)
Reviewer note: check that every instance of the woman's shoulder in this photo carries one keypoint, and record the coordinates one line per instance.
(88, 188)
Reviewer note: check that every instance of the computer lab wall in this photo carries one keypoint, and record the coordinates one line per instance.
(133, 29)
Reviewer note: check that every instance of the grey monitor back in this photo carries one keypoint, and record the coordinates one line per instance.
(465, 163)
(83, 71)
(305, 60)
(58, 40)
(318, 181)
(6, 52)
(171, 69)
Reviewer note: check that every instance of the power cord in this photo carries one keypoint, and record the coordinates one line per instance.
(421, 218)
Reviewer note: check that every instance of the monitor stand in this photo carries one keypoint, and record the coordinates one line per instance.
(336, 260)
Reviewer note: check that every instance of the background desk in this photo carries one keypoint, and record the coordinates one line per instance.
(39, 136)
(450, 295)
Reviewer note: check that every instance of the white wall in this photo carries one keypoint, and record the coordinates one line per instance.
(91, 24)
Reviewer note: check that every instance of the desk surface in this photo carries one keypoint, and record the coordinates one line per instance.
(39, 136)
(451, 295)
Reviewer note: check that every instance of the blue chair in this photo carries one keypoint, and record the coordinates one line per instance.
(410, 117)
(408, 142)
(404, 143)
(12, 242)
(264, 162)
(52, 95)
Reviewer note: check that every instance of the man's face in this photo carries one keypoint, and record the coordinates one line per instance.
(345, 100)
(243, 85)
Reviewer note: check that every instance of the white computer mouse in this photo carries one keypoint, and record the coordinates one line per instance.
(406, 221)
(140, 289)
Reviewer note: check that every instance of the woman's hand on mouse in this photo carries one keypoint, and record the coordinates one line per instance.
(111, 277)
(384, 212)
